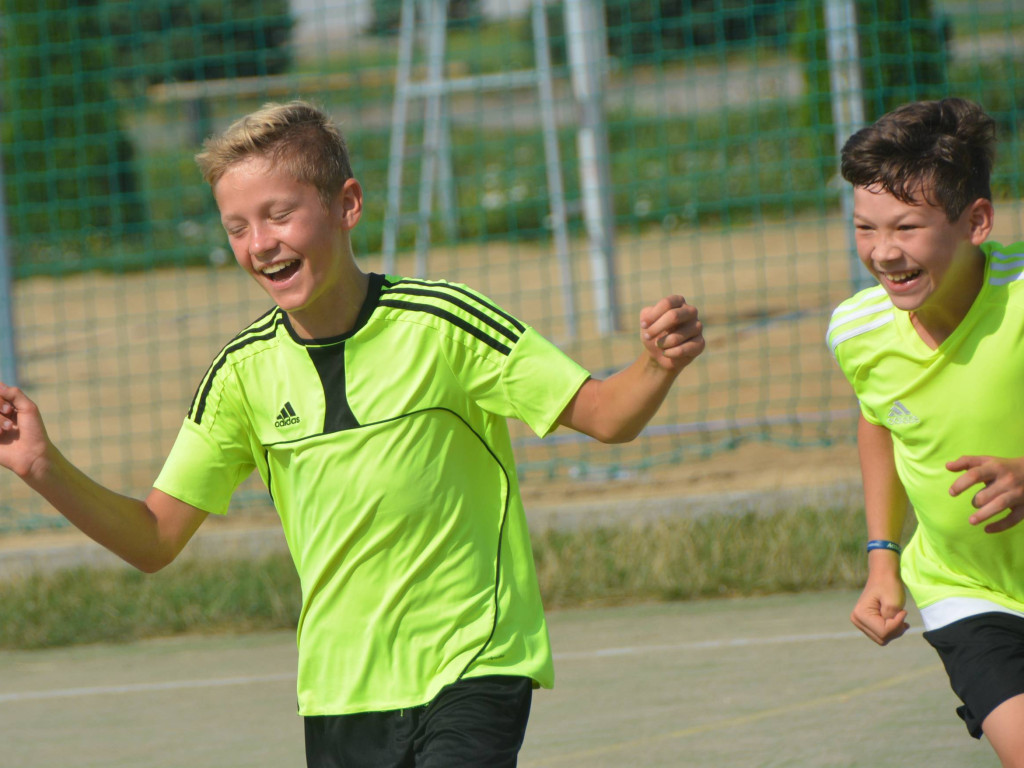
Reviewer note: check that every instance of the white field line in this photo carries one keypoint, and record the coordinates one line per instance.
(104, 690)
(703, 645)
(637, 650)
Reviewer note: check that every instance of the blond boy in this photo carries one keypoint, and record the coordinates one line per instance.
(374, 408)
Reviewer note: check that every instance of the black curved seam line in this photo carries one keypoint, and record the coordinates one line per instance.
(253, 328)
(270, 478)
(459, 289)
(501, 527)
(201, 405)
(508, 333)
(368, 425)
(497, 557)
(456, 321)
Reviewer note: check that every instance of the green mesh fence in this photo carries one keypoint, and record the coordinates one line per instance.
(574, 160)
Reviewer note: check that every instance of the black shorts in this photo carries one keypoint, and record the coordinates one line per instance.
(984, 658)
(475, 722)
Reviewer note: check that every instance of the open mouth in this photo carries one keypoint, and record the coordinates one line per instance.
(899, 278)
(280, 271)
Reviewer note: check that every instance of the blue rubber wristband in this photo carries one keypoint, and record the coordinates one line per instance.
(892, 546)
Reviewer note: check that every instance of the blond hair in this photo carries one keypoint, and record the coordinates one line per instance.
(297, 136)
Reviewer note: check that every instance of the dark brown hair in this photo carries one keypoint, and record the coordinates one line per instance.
(939, 150)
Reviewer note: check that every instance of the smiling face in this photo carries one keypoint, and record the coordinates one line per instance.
(296, 249)
(927, 264)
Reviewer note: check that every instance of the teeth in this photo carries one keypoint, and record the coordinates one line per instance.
(273, 269)
(900, 277)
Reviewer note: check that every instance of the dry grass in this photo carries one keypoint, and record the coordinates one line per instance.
(686, 558)
(677, 559)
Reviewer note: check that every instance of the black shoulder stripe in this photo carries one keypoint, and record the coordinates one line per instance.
(269, 319)
(460, 289)
(263, 323)
(258, 331)
(200, 406)
(449, 317)
(505, 331)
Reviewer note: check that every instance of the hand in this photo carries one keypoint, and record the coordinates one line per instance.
(671, 333)
(23, 438)
(1004, 488)
(879, 612)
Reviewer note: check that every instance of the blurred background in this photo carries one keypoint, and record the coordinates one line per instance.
(574, 160)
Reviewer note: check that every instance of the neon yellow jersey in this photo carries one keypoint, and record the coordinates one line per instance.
(964, 398)
(389, 460)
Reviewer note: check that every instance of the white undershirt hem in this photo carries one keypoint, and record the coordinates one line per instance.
(952, 609)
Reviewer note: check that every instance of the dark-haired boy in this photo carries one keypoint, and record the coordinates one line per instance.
(934, 355)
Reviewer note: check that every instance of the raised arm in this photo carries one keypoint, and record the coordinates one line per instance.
(147, 534)
(879, 612)
(616, 409)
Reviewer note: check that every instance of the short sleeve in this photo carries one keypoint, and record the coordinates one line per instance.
(211, 456)
(199, 472)
(539, 380)
(869, 415)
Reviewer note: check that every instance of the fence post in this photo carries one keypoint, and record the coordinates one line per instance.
(847, 109)
(8, 359)
(586, 45)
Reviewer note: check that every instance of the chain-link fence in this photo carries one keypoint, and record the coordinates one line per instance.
(574, 160)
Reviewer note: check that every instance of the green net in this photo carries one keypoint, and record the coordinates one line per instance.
(575, 161)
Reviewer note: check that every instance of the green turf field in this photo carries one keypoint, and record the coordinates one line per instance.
(776, 681)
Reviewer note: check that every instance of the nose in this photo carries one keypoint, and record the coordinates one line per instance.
(886, 249)
(261, 240)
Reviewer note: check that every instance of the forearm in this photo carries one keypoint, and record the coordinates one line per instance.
(885, 500)
(124, 525)
(616, 409)
(880, 612)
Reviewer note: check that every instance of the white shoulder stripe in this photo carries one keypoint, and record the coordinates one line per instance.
(870, 295)
(1012, 277)
(997, 256)
(847, 313)
(1005, 268)
(839, 338)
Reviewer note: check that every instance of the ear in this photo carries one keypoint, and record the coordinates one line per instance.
(981, 217)
(350, 202)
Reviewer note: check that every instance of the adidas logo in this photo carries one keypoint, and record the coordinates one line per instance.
(900, 414)
(287, 416)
